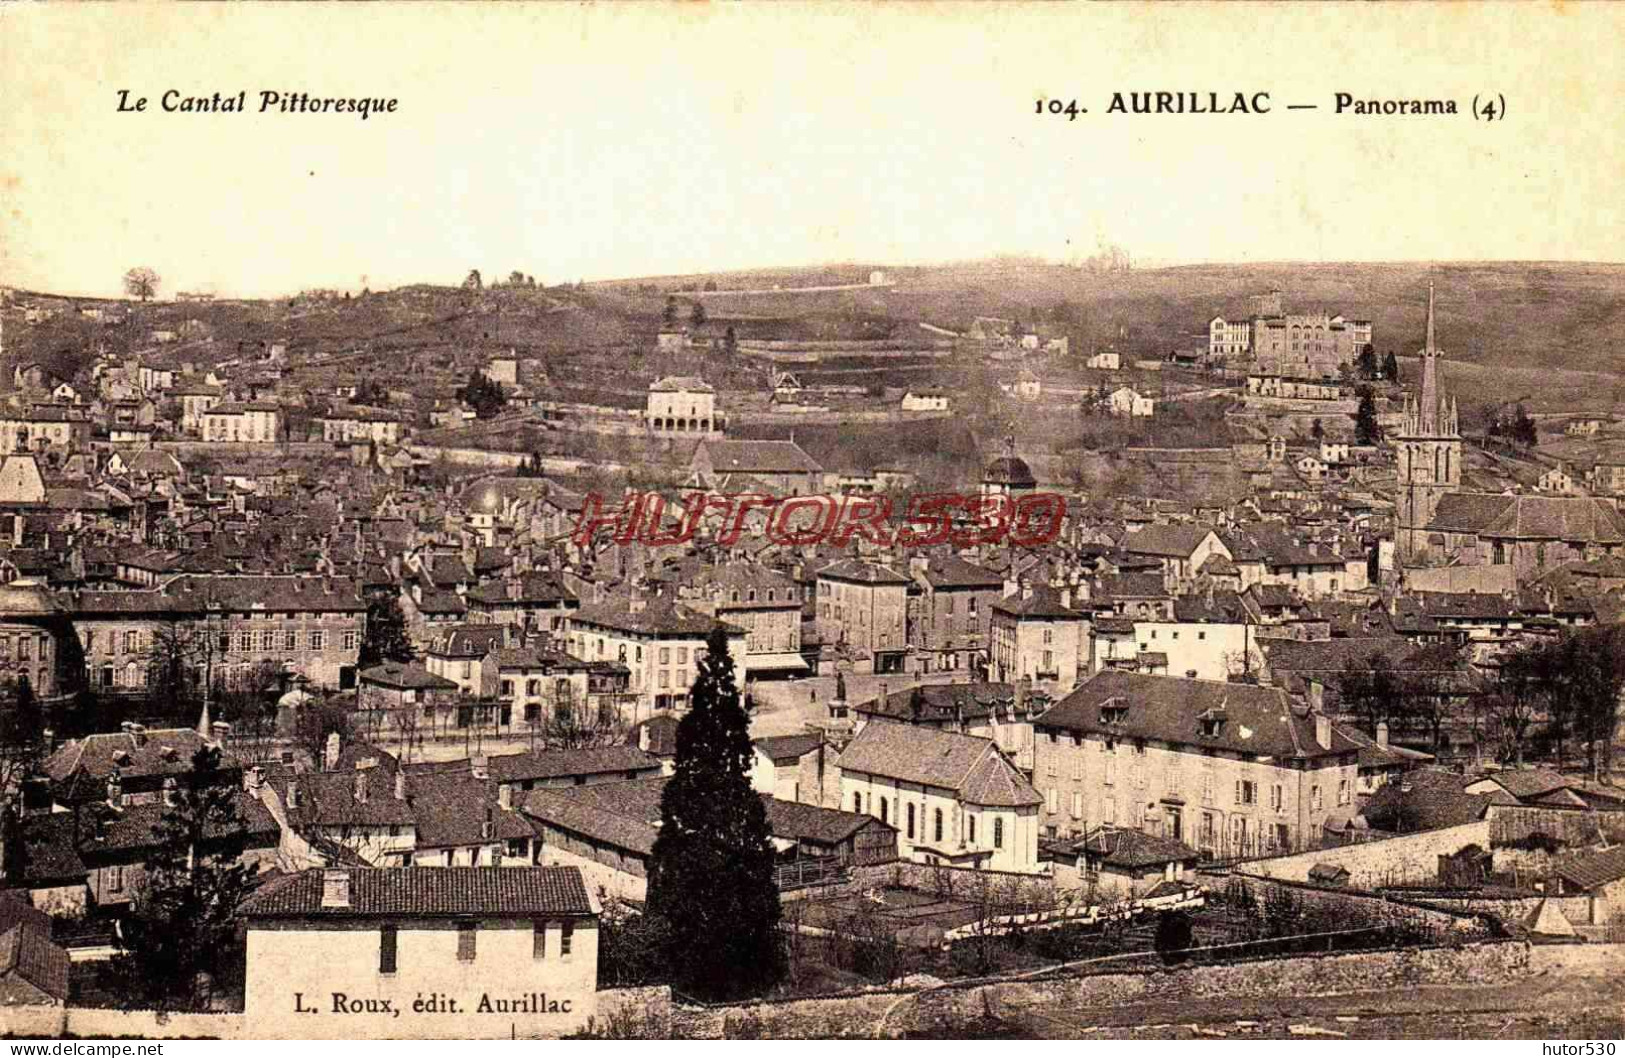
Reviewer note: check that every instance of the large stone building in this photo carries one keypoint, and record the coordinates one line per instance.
(765, 603)
(863, 610)
(258, 422)
(223, 628)
(680, 405)
(954, 799)
(36, 640)
(1232, 769)
(657, 640)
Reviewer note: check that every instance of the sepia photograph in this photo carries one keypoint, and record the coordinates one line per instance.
(800, 521)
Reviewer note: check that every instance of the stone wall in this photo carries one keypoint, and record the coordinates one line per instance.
(945, 1010)
(1409, 859)
(1442, 920)
(154, 1024)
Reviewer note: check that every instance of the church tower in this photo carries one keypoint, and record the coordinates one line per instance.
(1429, 451)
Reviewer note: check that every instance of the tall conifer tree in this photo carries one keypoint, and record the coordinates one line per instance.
(711, 871)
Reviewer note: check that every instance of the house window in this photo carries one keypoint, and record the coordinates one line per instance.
(998, 833)
(1052, 799)
(465, 941)
(290, 640)
(1246, 792)
(1275, 797)
(115, 879)
(1343, 791)
(970, 824)
(1314, 798)
(1077, 804)
(387, 949)
(911, 822)
(538, 940)
(884, 810)
(566, 937)
(351, 640)
(318, 640)
(937, 824)
(857, 802)
(267, 641)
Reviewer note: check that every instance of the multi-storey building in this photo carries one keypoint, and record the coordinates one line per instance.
(1229, 338)
(684, 406)
(44, 428)
(864, 608)
(950, 613)
(195, 401)
(350, 425)
(1232, 769)
(532, 603)
(658, 641)
(222, 629)
(765, 603)
(258, 422)
(1037, 634)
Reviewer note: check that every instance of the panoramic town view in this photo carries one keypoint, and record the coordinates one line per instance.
(766, 571)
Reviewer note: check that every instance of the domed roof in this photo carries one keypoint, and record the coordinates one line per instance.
(27, 598)
(1008, 470)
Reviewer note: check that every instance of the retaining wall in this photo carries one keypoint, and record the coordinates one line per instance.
(1406, 859)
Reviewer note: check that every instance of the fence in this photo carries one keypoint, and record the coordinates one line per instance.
(803, 874)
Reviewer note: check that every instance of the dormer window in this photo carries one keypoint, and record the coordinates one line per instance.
(1113, 711)
(1212, 723)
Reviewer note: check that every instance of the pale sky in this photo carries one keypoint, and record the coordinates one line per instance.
(596, 142)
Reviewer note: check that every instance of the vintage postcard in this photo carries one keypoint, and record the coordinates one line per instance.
(801, 521)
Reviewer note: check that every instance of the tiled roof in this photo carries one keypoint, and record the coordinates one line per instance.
(1572, 518)
(1130, 849)
(625, 815)
(792, 820)
(451, 808)
(662, 735)
(1256, 720)
(973, 767)
(406, 676)
(951, 571)
(518, 892)
(533, 589)
(758, 457)
(27, 954)
(166, 751)
(468, 641)
(1167, 541)
(787, 747)
(559, 763)
(1042, 603)
(1524, 783)
(1468, 512)
(681, 384)
(651, 615)
(1427, 799)
(1592, 871)
(853, 570)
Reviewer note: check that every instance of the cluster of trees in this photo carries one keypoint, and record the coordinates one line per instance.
(483, 395)
(1555, 698)
(696, 314)
(1368, 368)
(371, 392)
(1511, 426)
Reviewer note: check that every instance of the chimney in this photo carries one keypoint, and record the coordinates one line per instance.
(335, 888)
(505, 797)
(1382, 734)
(643, 737)
(417, 593)
(400, 784)
(1066, 598)
(254, 779)
(489, 827)
(635, 603)
(1323, 730)
(1022, 686)
(1026, 589)
(293, 794)
(115, 790)
(479, 766)
(330, 759)
(361, 787)
(138, 734)
(171, 792)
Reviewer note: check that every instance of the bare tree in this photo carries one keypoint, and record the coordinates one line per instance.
(141, 282)
(576, 722)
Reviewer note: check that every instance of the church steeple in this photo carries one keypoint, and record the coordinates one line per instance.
(1430, 378)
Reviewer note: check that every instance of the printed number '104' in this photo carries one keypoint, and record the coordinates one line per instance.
(1056, 106)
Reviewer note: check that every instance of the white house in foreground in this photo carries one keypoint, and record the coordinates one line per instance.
(402, 953)
(954, 799)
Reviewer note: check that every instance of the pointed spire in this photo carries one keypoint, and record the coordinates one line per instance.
(1429, 348)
